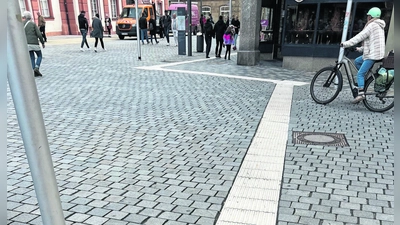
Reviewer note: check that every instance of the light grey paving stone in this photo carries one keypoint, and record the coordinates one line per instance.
(96, 220)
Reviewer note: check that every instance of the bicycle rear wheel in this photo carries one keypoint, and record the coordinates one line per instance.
(378, 102)
(326, 85)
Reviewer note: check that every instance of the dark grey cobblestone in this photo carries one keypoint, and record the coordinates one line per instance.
(348, 181)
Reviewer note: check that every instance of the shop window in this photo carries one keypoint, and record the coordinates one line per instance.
(330, 23)
(266, 24)
(300, 23)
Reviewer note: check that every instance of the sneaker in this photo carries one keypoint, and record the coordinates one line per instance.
(105, 49)
(359, 98)
(82, 50)
(95, 49)
(37, 72)
(167, 44)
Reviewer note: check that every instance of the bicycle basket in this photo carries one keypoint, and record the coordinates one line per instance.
(388, 61)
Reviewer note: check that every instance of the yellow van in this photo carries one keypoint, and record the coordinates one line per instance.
(126, 23)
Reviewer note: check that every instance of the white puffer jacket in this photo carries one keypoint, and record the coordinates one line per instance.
(373, 37)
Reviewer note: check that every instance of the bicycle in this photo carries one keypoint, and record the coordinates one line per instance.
(328, 82)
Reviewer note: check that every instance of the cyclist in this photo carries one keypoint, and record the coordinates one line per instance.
(373, 47)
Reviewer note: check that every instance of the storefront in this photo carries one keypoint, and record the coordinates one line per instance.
(313, 28)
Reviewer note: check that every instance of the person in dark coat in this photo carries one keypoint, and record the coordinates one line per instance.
(202, 20)
(83, 27)
(209, 34)
(143, 28)
(97, 32)
(236, 23)
(219, 29)
(167, 25)
(152, 28)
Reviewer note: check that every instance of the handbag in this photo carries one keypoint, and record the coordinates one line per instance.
(91, 34)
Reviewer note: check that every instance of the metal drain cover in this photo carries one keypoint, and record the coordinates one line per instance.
(319, 138)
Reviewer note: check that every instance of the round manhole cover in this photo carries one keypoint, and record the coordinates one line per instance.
(318, 138)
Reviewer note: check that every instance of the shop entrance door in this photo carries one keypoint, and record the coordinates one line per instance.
(270, 29)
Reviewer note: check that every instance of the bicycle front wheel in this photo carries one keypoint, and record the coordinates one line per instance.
(378, 101)
(326, 85)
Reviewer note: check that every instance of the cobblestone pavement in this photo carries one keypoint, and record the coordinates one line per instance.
(134, 146)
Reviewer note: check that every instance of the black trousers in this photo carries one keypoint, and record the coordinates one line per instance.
(42, 30)
(208, 44)
(218, 48)
(96, 41)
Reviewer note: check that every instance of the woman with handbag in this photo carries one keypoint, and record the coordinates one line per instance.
(97, 32)
(108, 24)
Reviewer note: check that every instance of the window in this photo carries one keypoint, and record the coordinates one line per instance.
(206, 10)
(300, 23)
(22, 6)
(114, 9)
(224, 11)
(44, 5)
(93, 4)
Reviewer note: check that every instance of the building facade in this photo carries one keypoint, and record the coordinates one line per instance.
(62, 15)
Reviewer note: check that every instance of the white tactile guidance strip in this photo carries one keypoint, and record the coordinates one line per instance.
(254, 196)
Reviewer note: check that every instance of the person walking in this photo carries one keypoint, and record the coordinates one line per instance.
(208, 35)
(83, 27)
(152, 28)
(373, 47)
(97, 32)
(167, 25)
(143, 28)
(236, 23)
(33, 36)
(42, 26)
(219, 28)
(161, 24)
(174, 27)
(202, 22)
(228, 40)
(108, 24)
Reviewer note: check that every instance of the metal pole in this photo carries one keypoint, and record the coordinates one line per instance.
(230, 12)
(30, 119)
(345, 27)
(189, 6)
(137, 31)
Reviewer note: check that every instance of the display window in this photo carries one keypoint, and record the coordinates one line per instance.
(322, 23)
(330, 23)
(266, 29)
(300, 24)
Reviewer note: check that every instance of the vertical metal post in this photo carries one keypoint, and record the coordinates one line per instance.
(139, 50)
(189, 7)
(230, 12)
(345, 28)
(30, 119)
